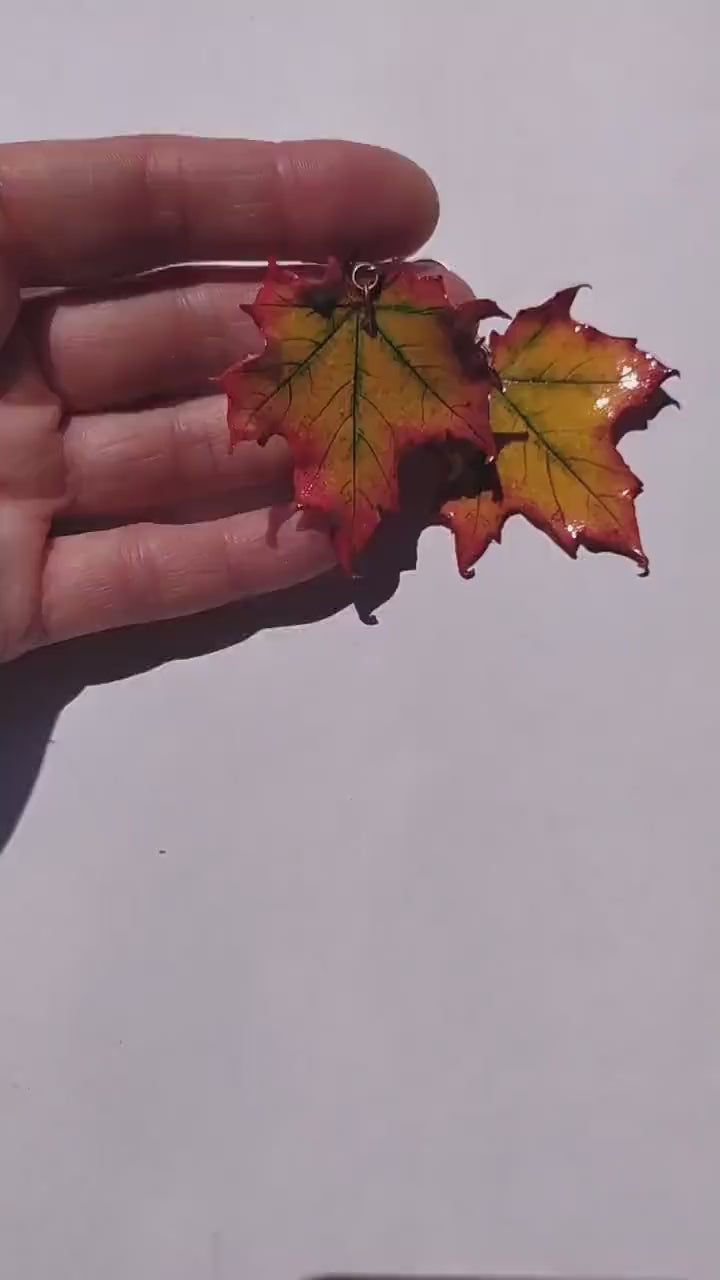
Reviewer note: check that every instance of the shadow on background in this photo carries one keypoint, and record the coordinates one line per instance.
(35, 689)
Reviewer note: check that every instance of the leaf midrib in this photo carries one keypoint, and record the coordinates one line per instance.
(555, 453)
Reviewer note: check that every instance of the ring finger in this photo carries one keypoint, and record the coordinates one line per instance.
(122, 464)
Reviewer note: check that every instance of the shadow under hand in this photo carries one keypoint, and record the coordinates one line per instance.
(35, 689)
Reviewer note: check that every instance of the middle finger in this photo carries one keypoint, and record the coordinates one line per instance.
(162, 342)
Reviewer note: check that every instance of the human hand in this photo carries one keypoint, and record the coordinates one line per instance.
(108, 424)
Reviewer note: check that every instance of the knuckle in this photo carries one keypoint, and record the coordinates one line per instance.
(162, 174)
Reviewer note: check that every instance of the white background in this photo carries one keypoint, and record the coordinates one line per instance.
(428, 976)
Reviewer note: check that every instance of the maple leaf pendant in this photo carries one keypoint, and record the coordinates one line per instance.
(365, 363)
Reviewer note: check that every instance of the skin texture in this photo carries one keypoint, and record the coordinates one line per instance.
(119, 500)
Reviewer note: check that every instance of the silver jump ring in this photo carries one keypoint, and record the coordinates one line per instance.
(365, 277)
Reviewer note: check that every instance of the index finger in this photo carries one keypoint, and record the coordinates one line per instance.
(78, 212)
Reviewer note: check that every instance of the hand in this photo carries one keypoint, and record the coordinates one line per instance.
(119, 500)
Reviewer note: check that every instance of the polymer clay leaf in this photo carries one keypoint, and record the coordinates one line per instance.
(354, 376)
(566, 395)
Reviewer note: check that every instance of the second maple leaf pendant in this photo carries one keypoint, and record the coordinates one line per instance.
(364, 364)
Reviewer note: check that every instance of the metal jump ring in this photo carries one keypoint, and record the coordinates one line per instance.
(371, 279)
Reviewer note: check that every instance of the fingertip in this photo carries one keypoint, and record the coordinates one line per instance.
(413, 204)
(355, 200)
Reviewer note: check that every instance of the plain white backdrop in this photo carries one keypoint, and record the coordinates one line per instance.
(428, 977)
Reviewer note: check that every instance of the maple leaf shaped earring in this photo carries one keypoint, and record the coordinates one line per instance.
(365, 363)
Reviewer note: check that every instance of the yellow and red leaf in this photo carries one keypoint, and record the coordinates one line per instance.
(565, 395)
(352, 382)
